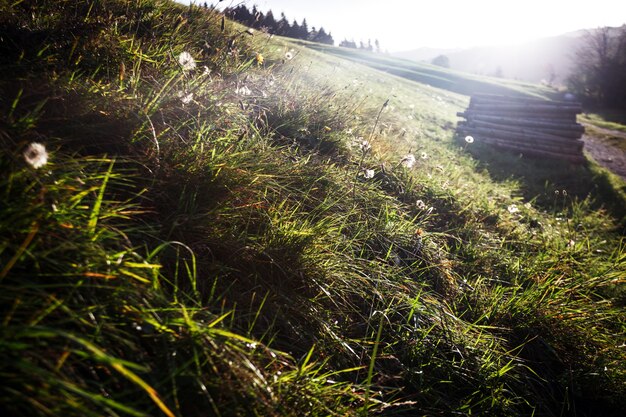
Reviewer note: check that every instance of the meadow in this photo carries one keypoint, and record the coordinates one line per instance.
(198, 219)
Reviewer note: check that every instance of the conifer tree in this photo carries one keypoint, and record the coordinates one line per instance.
(269, 22)
(304, 30)
(283, 27)
(294, 30)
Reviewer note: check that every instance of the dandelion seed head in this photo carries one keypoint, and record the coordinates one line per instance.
(408, 161)
(243, 91)
(185, 97)
(35, 155)
(469, 139)
(186, 61)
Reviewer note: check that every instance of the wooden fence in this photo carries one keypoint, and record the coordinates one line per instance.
(532, 127)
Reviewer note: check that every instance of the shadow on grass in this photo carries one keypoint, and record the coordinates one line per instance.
(541, 179)
(610, 115)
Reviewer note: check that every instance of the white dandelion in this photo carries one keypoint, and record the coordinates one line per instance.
(364, 145)
(420, 205)
(469, 139)
(408, 161)
(512, 209)
(186, 61)
(368, 174)
(35, 155)
(243, 91)
(185, 97)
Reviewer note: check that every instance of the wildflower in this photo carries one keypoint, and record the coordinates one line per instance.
(186, 61)
(250, 31)
(36, 155)
(259, 59)
(206, 71)
(571, 243)
(288, 56)
(420, 205)
(512, 209)
(369, 173)
(424, 155)
(364, 145)
(564, 193)
(185, 97)
(469, 139)
(408, 161)
(243, 91)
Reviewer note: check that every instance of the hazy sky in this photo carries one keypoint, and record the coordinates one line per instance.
(403, 24)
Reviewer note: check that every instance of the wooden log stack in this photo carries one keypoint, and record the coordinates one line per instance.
(532, 127)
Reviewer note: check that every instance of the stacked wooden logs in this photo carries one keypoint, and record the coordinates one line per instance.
(532, 127)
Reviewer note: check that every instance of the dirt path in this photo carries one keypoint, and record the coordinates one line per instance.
(606, 155)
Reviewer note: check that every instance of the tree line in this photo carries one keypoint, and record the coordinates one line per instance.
(599, 73)
(255, 18)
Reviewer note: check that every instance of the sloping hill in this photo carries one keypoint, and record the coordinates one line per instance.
(443, 78)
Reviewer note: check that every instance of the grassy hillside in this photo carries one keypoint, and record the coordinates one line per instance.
(199, 221)
(443, 78)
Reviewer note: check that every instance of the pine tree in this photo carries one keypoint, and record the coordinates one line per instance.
(283, 27)
(294, 30)
(304, 30)
(329, 39)
(269, 22)
(322, 36)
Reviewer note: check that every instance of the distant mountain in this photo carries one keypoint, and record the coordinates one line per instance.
(543, 60)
